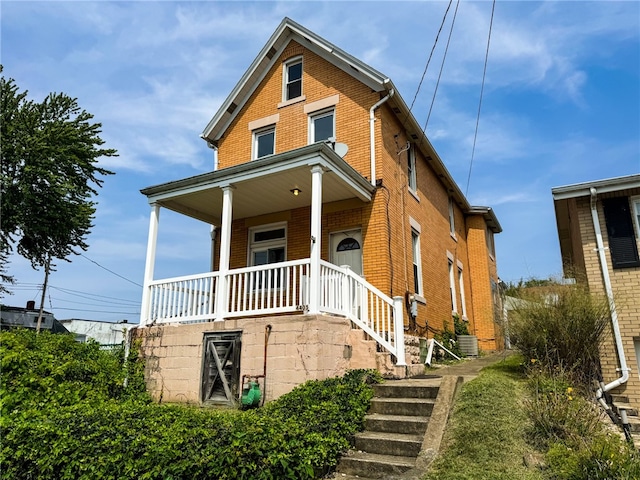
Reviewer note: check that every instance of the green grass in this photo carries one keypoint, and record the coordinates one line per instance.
(486, 434)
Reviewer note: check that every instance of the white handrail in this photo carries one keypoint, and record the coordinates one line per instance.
(280, 288)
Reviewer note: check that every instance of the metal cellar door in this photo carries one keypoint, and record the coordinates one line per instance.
(221, 367)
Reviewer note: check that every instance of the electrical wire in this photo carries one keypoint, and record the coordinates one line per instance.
(429, 59)
(444, 57)
(484, 74)
(110, 271)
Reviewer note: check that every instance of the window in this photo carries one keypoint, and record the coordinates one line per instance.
(452, 218)
(452, 287)
(411, 169)
(322, 126)
(491, 246)
(636, 214)
(461, 287)
(264, 142)
(417, 265)
(293, 79)
(622, 241)
(267, 245)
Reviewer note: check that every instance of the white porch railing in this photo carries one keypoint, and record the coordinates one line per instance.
(280, 288)
(345, 293)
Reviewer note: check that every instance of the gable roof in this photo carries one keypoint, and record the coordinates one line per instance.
(289, 30)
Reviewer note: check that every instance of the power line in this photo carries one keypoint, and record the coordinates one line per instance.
(444, 57)
(90, 296)
(97, 311)
(484, 74)
(429, 59)
(111, 271)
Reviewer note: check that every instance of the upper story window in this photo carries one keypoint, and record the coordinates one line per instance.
(636, 214)
(292, 79)
(264, 142)
(322, 126)
(452, 218)
(622, 241)
(491, 246)
(411, 169)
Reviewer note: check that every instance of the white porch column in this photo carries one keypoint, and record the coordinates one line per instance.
(225, 246)
(145, 309)
(398, 330)
(316, 236)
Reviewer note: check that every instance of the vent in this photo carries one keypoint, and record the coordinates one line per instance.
(414, 136)
(232, 108)
(271, 53)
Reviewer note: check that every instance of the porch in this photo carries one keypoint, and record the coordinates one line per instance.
(304, 178)
(278, 289)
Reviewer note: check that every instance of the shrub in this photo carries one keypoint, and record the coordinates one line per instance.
(604, 457)
(84, 425)
(43, 370)
(561, 329)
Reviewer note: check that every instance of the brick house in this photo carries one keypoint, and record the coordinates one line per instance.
(599, 227)
(339, 237)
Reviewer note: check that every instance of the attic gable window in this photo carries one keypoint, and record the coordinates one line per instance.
(292, 79)
(622, 241)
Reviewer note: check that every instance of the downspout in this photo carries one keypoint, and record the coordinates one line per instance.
(612, 307)
(372, 138)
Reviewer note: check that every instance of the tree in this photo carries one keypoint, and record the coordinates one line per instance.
(49, 175)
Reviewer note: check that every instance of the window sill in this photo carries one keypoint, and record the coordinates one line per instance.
(286, 103)
(420, 299)
(454, 236)
(414, 193)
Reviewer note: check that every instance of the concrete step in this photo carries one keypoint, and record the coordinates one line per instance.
(378, 422)
(397, 389)
(400, 444)
(631, 411)
(402, 406)
(371, 465)
(634, 424)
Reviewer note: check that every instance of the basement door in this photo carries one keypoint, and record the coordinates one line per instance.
(221, 367)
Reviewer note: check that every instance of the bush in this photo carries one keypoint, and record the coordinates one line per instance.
(561, 329)
(605, 457)
(100, 431)
(46, 370)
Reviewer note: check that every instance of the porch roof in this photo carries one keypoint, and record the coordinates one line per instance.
(263, 186)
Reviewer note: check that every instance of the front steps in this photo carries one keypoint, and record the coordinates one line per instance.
(394, 430)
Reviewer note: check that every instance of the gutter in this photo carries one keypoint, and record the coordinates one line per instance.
(372, 139)
(612, 307)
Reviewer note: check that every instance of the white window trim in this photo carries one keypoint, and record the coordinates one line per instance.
(463, 302)
(319, 114)
(452, 218)
(412, 179)
(285, 71)
(452, 284)
(635, 203)
(417, 260)
(252, 245)
(254, 144)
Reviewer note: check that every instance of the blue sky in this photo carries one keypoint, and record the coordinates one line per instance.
(561, 105)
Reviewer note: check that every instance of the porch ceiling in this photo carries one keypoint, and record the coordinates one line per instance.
(263, 186)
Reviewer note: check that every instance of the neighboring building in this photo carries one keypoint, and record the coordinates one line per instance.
(340, 237)
(107, 334)
(27, 317)
(599, 227)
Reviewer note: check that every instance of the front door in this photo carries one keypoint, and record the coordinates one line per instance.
(346, 249)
